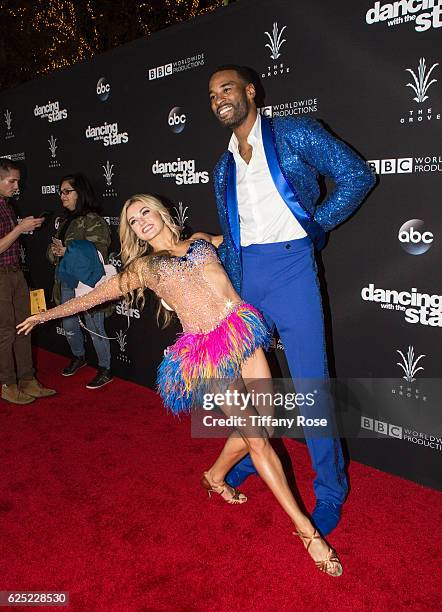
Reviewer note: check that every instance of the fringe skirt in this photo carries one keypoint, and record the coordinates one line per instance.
(208, 362)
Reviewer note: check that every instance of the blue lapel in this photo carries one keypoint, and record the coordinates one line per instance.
(232, 203)
(285, 188)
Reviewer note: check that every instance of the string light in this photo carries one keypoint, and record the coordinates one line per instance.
(49, 35)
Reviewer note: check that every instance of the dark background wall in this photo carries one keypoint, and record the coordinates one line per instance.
(338, 63)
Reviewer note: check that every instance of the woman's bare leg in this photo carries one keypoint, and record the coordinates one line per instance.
(266, 462)
(235, 447)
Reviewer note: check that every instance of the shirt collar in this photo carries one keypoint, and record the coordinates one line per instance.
(252, 138)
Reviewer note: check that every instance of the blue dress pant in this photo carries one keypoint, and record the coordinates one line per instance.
(280, 280)
(74, 334)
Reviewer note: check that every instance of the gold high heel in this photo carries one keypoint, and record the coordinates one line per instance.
(331, 564)
(237, 497)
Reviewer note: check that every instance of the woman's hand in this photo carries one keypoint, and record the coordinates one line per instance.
(27, 325)
(57, 247)
(215, 240)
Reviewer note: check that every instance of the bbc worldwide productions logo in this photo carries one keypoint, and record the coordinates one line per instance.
(181, 65)
(422, 164)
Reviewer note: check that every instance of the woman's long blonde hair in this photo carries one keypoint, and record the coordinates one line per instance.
(132, 248)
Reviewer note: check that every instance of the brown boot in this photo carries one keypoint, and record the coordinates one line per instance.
(34, 388)
(12, 393)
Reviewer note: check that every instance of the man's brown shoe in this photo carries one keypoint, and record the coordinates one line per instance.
(12, 393)
(34, 388)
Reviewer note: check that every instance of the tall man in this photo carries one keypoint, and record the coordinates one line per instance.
(266, 192)
(16, 372)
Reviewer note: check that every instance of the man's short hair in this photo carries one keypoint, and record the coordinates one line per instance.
(6, 165)
(245, 73)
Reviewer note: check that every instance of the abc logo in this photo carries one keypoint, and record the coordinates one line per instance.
(176, 120)
(413, 238)
(103, 89)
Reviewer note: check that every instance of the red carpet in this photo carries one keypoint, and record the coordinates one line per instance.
(100, 497)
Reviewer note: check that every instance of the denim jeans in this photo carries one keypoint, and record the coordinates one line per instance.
(93, 321)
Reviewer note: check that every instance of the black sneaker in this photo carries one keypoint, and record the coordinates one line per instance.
(102, 378)
(76, 364)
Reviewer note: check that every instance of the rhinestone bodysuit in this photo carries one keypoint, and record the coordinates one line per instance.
(194, 285)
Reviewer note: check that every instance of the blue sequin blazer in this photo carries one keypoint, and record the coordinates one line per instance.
(297, 151)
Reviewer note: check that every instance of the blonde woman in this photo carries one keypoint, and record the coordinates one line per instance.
(222, 341)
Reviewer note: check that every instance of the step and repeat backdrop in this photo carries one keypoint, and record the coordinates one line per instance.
(137, 119)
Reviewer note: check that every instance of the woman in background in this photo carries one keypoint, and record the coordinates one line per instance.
(81, 221)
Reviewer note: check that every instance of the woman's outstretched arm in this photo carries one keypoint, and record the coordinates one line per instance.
(115, 287)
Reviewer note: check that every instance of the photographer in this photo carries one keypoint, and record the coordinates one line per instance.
(19, 386)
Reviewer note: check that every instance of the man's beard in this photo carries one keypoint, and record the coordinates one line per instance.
(238, 116)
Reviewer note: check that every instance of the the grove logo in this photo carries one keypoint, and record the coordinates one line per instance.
(122, 345)
(421, 83)
(413, 239)
(103, 89)
(176, 120)
(53, 163)
(8, 121)
(22, 254)
(53, 146)
(409, 364)
(274, 44)
(180, 215)
(108, 174)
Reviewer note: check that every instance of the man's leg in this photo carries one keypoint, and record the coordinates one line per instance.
(294, 303)
(22, 343)
(281, 281)
(7, 330)
(10, 390)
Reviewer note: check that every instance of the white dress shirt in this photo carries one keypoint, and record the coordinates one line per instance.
(263, 215)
